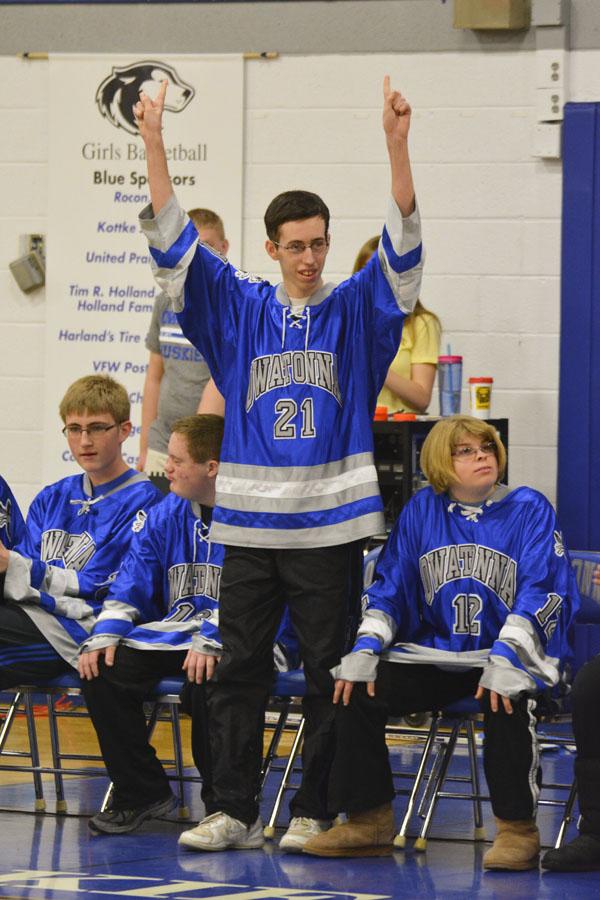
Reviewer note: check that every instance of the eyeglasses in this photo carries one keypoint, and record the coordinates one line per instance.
(465, 451)
(96, 429)
(318, 246)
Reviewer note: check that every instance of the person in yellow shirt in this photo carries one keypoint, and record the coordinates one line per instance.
(410, 378)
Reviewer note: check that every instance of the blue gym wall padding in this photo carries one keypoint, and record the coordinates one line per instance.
(578, 488)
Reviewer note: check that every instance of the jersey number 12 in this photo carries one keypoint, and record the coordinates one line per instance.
(467, 607)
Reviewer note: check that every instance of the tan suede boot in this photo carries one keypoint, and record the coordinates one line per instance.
(516, 846)
(369, 833)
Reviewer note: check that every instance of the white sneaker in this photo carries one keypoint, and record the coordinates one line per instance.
(300, 830)
(221, 832)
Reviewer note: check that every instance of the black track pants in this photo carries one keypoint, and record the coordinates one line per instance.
(322, 589)
(361, 778)
(115, 701)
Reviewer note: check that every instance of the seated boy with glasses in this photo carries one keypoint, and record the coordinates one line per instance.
(160, 619)
(300, 364)
(473, 594)
(78, 530)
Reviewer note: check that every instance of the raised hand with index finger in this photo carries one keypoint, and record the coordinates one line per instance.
(396, 113)
(148, 113)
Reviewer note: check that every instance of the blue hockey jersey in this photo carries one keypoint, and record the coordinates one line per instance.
(461, 586)
(12, 524)
(297, 457)
(76, 537)
(165, 595)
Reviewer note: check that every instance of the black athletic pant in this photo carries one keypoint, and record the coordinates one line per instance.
(361, 778)
(322, 589)
(115, 701)
(586, 726)
(26, 657)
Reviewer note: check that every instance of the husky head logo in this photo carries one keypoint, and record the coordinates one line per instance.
(119, 92)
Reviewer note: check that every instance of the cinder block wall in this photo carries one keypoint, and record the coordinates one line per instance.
(491, 216)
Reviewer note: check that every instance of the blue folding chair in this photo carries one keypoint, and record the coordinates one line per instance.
(460, 716)
(164, 697)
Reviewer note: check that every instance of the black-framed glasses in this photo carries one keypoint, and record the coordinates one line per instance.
(318, 246)
(96, 429)
(465, 451)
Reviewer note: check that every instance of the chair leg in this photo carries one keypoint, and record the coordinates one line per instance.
(269, 829)
(40, 803)
(567, 815)
(421, 841)
(182, 809)
(274, 744)
(107, 798)
(478, 829)
(400, 839)
(432, 778)
(61, 803)
(9, 718)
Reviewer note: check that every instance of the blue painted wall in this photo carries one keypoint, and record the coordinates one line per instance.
(578, 493)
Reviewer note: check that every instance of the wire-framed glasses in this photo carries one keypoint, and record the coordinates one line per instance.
(96, 429)
(466, 451)
(318, 246)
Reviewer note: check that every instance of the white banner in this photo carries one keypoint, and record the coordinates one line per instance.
(99, 286)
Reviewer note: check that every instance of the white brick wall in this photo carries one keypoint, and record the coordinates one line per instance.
(23, 188)
(491, 215)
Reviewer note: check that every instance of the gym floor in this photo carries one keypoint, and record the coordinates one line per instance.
(56, 857)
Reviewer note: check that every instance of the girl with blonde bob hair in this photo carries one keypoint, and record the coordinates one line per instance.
(437, 460)
(473, 594)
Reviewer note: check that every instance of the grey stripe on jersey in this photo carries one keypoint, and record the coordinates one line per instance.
(18, 587)
(200, 644)
(73, 608)
(286, 504)
(161, 233)
(118, 609)
(500, 676)
(268, 474)
(164, 626)
(379, 625)
(405, 235)
(58, 581)
(293, 538)
(17, 581)
(519, 634)
(158, 645)
(55, 634)
(360, 666)
(443, 659)
(296, 489)
(99, 642)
